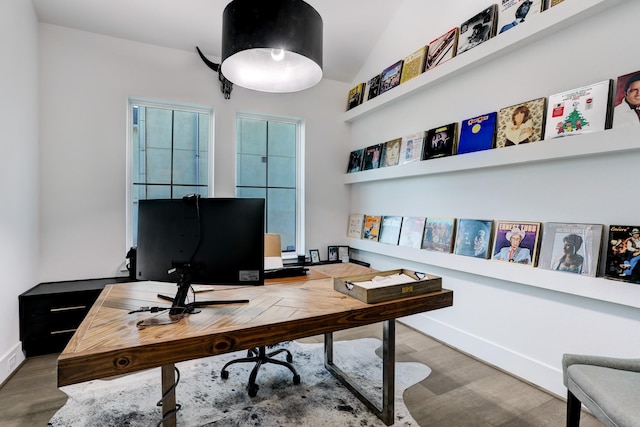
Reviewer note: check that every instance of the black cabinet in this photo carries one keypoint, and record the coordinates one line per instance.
(51, 312)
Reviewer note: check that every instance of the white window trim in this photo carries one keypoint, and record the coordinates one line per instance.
(154, 103)
(300, 173)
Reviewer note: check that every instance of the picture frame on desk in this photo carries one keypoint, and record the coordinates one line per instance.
(314, 255)
(332, 253)
(343, 253)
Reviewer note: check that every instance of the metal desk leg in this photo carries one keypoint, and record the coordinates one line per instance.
(386, 413)
(168, 395)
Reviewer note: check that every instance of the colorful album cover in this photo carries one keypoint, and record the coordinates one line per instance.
(626, 110)
(373, 87)
(477, 133)
(371, 229)
(356, 96)
(581, 110)
(391, 152)
(516, 242)
(440, 142)
(355, 160)
(478, 29)
(412, 231)
(390, 77)
(390, 229)
(371, 158)
(442, 49)
(573, 248)
(473, 238)
(512, 13)
(356, 226)
(623, 253)
(438, 234)
(411, 149)
(521, 123)
(413, 64)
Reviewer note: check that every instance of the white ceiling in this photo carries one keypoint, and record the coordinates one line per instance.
(351, 27)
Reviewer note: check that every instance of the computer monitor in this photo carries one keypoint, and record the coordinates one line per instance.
(200, 240)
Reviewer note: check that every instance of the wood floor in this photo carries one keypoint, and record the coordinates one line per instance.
(460, 391)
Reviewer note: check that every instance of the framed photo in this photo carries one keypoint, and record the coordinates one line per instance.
(343, 251)
(314, 254)
(332, 253)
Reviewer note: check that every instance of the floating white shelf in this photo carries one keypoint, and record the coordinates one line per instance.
(554, 19)
(590, 287)
(588, 144)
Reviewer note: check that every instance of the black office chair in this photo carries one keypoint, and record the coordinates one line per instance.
(259, 355)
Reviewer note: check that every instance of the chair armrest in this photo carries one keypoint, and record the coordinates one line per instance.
(632, 365)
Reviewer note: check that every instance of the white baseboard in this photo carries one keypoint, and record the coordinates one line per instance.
(541, 375)
(10, 362)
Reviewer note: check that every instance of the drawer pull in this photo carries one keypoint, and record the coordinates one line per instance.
(75, 307)
(64, 331)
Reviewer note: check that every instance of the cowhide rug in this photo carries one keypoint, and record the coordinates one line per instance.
(208, 400)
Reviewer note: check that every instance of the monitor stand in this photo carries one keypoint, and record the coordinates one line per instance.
(179, 304)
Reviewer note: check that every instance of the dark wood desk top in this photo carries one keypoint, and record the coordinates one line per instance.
(108, 342)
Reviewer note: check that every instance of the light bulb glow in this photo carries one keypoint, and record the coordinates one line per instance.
(277, 54)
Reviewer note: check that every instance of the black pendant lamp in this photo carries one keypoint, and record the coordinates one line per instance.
(272, 45)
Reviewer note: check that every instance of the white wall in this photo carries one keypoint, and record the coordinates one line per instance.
(19, 171)
(85, 81)
(521, 328)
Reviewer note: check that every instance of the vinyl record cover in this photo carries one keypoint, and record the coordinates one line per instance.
(521, 123)
(477, 133)
(439, 234)
(411, 148)
(390, 77)
(626, 110)
(440, 141)
(516, 242)
(371, 158)
(478, 29)
(413, 64)
(391, 152)
(442, 49)
(355, 161)
(356, 96)
(623, 253)
(390, 229)
(373, 87)
(581, 110)
(371, 229)
(473, 238)
(356, 226)
(574, 248)
(412, 231)
(512, 13)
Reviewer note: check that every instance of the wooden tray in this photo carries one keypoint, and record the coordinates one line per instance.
(423, 283)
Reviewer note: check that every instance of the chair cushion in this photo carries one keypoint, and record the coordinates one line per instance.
(612, 395)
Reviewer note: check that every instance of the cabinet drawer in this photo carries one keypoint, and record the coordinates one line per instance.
(55, 320)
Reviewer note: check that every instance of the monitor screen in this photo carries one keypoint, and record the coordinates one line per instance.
(219, 240)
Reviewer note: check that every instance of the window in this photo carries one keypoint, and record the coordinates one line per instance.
(169, 154)
(268, 165)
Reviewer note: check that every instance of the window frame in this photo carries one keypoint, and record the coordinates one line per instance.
(171, 105)
(300, 171)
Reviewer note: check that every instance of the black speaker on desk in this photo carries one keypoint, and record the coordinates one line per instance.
(131, 265)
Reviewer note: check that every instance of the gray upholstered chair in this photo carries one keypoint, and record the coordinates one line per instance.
(608, 387)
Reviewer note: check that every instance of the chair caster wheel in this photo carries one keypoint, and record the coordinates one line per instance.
(252, 389)
(224, 374)
(289, 358)
(296, 379)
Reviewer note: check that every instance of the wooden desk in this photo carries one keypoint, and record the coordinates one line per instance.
(109, 343)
